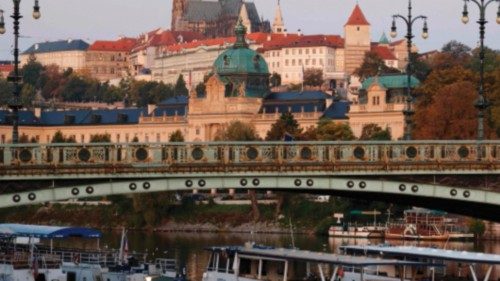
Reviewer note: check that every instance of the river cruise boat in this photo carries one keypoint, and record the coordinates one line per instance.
(458, 263)
(344, 229)
(23, 257)
(251, 262)
(423, 224)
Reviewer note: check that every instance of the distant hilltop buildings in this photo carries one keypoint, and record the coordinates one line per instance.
(201, 30)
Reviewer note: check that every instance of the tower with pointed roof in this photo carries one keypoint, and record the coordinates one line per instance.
(357, 39)
(278, 24)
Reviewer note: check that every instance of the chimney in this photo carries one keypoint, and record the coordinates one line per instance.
(151, 108)
(38, 112)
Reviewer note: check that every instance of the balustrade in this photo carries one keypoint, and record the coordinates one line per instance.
(286, 153)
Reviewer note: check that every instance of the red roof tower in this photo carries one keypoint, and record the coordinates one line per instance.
(357, 17)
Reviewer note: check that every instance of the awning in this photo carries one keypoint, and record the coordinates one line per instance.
(43, 231)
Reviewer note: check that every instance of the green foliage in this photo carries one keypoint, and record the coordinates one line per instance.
(28, 94)
(237, 131)
(31, 72)
(60, 138)
(6, 92)
(491, 60)
(313, 77)
(477, 227)
(180, 88)
(286, 124)
(373, 65)
(100, 138)
(176, 136)
(275, 80)
(374, 132)
(323, 226)
(329, 130)
(201, 90)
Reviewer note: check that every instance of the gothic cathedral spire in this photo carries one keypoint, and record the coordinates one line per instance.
(278, 24)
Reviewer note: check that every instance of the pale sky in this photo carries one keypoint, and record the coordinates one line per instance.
(107, 19)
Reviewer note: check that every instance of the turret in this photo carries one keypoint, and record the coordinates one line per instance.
(357, 39)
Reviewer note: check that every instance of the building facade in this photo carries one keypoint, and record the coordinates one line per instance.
(238, 90)
(65, 54)
(381, 101)
(108, 60)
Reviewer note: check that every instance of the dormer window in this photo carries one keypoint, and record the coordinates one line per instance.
(226, 60)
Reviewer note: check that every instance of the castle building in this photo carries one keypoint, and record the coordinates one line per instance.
(64, 53)
(216, 18)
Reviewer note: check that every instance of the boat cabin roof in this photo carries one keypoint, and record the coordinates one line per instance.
(317, 257)
(44, 231)
(425, 252)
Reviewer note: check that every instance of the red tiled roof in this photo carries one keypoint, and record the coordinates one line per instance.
(156, 38)
(383, 52)
(397, 42)
(6, 67)
(121, 45)
(357, 17)
(296, 41)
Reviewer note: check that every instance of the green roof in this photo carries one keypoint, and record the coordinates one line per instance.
(383, 39)
(391, 81)
(240, 59)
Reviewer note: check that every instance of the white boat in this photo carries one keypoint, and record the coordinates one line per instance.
(453, 259)
(250, 263)
(357, 231)
(25, 267)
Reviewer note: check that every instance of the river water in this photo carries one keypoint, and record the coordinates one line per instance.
(189, 248)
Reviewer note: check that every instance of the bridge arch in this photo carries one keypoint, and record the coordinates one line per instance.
(473, 202)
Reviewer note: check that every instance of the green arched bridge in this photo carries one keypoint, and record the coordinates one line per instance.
(400, 172)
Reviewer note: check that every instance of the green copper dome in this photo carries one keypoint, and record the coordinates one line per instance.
(240, 59)
(243, 71)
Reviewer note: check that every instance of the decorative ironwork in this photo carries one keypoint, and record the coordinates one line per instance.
(141, 154)
(411, 152)
(306, 153)
(25, 155)
(252, 153)
(359, 152)
(84, 155)
(197, 153)
(463, 152)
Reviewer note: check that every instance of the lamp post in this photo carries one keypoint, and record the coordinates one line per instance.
(16, 78)
(409, 20)
(481, 103)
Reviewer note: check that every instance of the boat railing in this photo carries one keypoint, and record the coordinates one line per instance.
(23, 260)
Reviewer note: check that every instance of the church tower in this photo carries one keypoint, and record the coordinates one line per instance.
(278, 24)
(245, 19)
(357, 39)
(178, 9)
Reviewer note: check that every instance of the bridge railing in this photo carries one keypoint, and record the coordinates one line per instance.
(226, 153)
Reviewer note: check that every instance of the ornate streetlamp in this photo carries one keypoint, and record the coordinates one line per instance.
(481, 103)
(16, 78)
(409, 20)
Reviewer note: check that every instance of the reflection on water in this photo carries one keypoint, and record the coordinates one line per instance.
(188, 248)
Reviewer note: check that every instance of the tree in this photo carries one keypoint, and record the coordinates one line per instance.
(477, 227)
(374, 132)
(240, 131)
(275, 80)
(237, 131)
(285, 125)
(491, 60)
(180, 87)
(457, 50)
(31, 72)
(201, 90)
(58, 137)
(176, 136)
(313, 77)
(329, 130)
(373, 65)
(100, 138)
(28, 94)
(450, 114)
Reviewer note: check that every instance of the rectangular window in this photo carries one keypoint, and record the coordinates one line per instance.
(300, 51)
(307, 51)
(313, 61)
(286, 62)
(300, 61)
(314, 51)
(293, 62)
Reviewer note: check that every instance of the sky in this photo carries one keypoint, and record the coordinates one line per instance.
(92, 20)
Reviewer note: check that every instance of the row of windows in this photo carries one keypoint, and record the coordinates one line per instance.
(306, 51)
(306, 62)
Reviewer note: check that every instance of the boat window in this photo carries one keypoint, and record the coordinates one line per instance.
(245, 266)
(71, 276)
